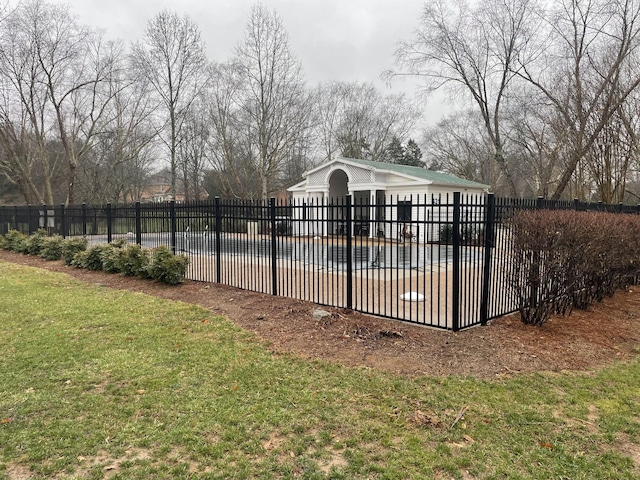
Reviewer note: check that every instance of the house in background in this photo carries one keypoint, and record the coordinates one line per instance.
(385, 196)
(159, 193)
(157, 189)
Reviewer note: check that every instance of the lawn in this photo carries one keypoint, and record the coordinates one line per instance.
(102, 383)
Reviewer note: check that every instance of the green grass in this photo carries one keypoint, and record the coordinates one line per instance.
(98, 383)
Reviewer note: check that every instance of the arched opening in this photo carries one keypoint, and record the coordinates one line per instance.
(338, 186)
(338, 192)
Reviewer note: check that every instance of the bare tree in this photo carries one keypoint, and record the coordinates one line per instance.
(229, 146)
(457, 145)
(275, 100)
(330, 102)
(120, 150)
(54, 74)
(537, 141)
(172, 58)
(24, 109)
(193, 151)
(612, 156)
(74, 65)
(472, 49)
(587, 73)
(356, 120)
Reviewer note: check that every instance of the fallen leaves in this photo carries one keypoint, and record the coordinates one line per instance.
(424, 419)
(467, 440)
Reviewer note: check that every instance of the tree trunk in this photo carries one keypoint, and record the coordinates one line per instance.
(71, 196)
(499, 158)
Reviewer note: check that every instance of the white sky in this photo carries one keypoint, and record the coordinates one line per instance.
(348, 40)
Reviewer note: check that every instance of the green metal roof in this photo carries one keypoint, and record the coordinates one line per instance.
(419, 172)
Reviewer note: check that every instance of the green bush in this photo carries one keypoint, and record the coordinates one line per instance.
(16, 241)
(91, 259)
(80, 259)
(110, 256)
(33, 244)
(119, 243)
(4, 243)
(167, 267)
(71, 247)
(134, 260)
(51, 248)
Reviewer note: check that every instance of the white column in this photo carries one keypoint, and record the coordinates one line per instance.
(324, 230)
(373, 224)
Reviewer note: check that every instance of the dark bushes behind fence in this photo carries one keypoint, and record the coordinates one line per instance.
(567, 259)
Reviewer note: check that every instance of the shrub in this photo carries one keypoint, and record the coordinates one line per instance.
(469, 234)
(16, 241)
(71, 247)
(51, 248)
(538, 268)
(110, 256)
(91, 259)
(566, 259)
(134, 260)
(119, 243)
(33, 244)
(4, 243)
(167, 267)
(80, 259)
(446, 234)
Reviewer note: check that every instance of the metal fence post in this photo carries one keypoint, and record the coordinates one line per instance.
(109, 216)
(489, 226)
(274, 247)
(173, 225)
(30, 219)
(138, 224)
(84, 220)
(349, 219)
(218, 228)
(63, 221)
(455, 307)
(45, 212)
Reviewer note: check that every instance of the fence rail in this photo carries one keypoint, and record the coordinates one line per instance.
(440, 261)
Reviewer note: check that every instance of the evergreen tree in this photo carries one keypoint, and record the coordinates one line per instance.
(412, 155)
(394, 152)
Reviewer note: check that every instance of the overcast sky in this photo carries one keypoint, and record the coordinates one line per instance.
(334, 39)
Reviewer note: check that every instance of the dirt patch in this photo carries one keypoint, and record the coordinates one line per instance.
(336, 460)
(18, 472)
(586, 340)
(109, 465)
(630, 449)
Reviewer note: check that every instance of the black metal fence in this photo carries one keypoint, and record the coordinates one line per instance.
(440, 261)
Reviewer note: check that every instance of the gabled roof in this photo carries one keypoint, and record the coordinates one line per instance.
(432, 176)
(418, 174)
